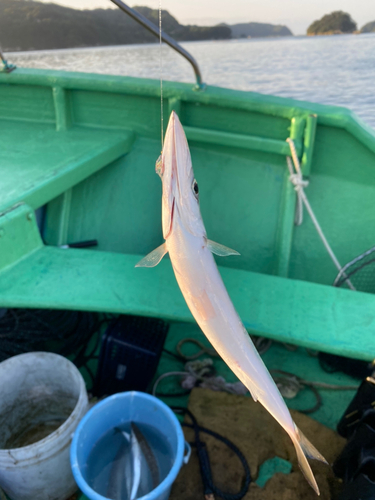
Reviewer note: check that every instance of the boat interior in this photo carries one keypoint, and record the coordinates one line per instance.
(77, 163)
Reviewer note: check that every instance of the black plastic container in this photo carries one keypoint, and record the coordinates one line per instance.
(130, 351)
(363, 400)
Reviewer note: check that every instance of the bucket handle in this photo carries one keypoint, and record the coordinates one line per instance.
(187, 452)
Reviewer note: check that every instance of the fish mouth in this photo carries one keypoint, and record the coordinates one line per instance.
(179, 204)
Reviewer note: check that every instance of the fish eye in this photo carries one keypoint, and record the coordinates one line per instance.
(195, 188)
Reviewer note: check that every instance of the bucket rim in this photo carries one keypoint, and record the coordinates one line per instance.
(31, 451)
(167, 481)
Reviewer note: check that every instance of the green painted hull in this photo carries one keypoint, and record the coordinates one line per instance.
(85, 146)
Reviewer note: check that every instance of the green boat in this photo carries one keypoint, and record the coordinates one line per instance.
(84, 147)
(78, 150)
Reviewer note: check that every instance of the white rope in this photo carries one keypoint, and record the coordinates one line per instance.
(297, 180)
(299, 184)
(165, 375)
(161, 80)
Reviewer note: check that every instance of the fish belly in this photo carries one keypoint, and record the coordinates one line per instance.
(207, 298)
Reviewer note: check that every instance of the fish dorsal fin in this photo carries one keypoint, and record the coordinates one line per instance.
(220, 250)
(154, 257)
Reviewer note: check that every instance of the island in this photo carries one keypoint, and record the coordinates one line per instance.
(258, 30)
(33, 25)
(368, 28)
(336, 23)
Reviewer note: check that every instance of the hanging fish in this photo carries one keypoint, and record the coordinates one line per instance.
(203, 289)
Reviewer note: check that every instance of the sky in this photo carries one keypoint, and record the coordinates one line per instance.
(296, 14)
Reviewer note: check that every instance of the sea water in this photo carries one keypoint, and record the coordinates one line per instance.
(105, 471)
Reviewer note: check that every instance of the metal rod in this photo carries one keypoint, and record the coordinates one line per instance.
(166, 38)
(6, 66)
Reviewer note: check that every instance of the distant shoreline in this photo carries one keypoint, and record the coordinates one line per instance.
(335, 32)
(154, 44)
(145, 44)
(150, 44)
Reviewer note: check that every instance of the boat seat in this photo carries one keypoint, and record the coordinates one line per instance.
(308, 314)
(37, 163)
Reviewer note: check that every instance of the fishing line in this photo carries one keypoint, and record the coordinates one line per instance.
(161, 81)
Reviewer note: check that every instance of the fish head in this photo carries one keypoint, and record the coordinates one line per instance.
(180, 202)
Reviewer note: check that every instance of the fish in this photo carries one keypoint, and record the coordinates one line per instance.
(150, 476)
(196, 272)
(135, 471)
(137, 465)
(121, 475)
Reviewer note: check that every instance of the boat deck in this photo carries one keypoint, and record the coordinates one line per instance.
(292, 311)
(38, 163)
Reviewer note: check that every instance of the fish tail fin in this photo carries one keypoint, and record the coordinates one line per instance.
(305, 449)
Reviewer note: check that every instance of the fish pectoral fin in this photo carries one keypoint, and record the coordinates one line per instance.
(154, 257)
(220, 250)
(253, 394)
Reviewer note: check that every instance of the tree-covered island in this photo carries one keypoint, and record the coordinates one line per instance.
(368, 28)
(336, 23)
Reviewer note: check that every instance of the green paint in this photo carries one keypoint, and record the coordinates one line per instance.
(174, 104)
(288, 203)
(285, 226)
(292, 311)
(308, 145)
(37, 164)
(214, 137)
(19, 235)
(271, 467)
(86, 146)
(296, 133)
(62, 108)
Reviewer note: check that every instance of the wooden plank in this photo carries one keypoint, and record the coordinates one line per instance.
(46, 163)
(308, 314)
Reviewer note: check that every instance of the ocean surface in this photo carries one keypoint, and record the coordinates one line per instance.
(337, 70)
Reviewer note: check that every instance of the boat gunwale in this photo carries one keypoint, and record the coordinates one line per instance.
(268, 104)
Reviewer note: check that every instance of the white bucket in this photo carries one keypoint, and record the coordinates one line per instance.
(42, 399)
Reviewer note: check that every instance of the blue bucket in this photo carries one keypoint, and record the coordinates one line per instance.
(120, 409)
